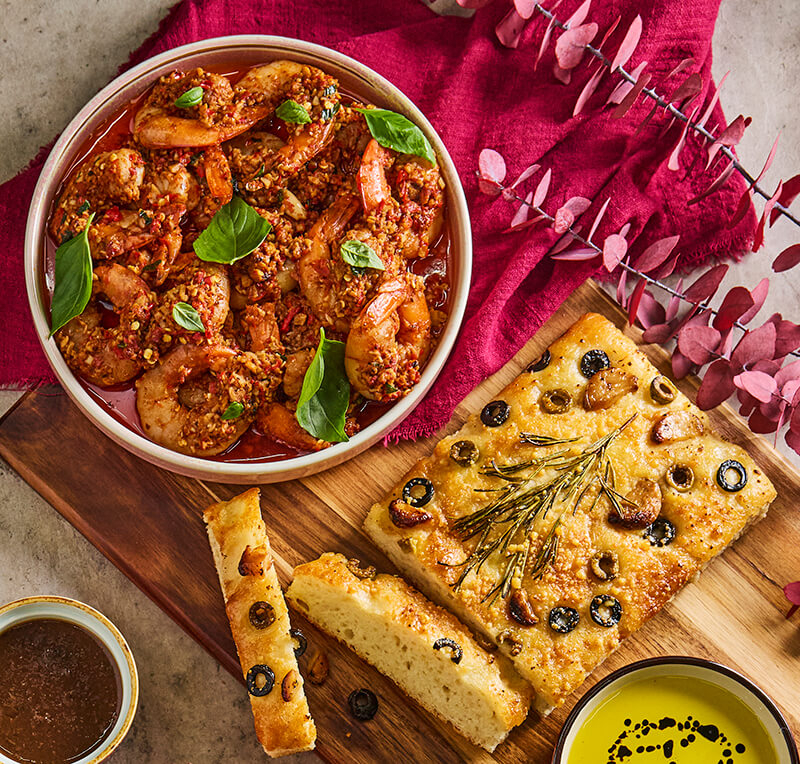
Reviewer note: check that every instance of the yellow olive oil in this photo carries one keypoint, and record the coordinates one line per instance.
(672, 720)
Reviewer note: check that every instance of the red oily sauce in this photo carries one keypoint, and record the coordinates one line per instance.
(120, 401)
(60, 692)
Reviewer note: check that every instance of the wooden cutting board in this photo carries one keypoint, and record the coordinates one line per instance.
(148, 523)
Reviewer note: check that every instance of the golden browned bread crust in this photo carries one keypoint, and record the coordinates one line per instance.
(247, 575)
(706, 518)
(395, 628)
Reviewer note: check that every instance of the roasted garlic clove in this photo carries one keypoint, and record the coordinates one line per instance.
(403, 515)
(354, 566)
(318, 669)
(676, 425)
(251, 562)
(519, 608)
(646, 496)
(607, 386)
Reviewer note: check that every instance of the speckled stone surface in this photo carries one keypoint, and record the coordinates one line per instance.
(54, 56)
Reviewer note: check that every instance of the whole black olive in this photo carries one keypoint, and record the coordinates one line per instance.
(555, 401)
(457, 653)
(662, 391)
(363, 704)
(728, 466)
(302, 642)
(605, 610)
(417, 498)
(594, 361)
(262, 614)
(464, 453)
(563, 619)
(660, 533)
(256, 671)
(541, 364)
(495, 413)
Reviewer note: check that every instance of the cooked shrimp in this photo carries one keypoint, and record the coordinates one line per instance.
(262, 328)
(215, 184)
(106, 180)
(297, 364)
(122, 230)
(279, 423)
(389, 340)
(169, 183)
(372, 183)
(182, 400)
(104, 352)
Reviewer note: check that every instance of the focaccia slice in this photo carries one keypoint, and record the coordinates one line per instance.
(260, 624)
(423, 648)
(579, 573)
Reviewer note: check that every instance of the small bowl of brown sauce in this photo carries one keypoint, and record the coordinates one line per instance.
(68, 683)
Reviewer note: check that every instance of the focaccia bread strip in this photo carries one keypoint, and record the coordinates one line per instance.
(595, 577)
(260, 624)
(421, 647)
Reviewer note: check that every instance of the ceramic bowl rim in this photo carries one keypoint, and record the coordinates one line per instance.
(198, 467)
(109, 744)
(684, 660)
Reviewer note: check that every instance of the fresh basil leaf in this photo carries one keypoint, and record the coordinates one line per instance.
(73, 279)
(233, 233)
(83, 207)
(325, 395)
(234, 410)
(359, 255)
(291, 111)
(187, 317)
(394, 131)
(192, 97)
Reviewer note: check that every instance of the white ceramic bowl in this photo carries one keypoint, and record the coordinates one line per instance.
(95, 623)
(727, 679)
(244, 50)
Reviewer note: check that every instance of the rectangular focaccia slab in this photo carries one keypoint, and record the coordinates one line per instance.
(665, 465)
(260, 622)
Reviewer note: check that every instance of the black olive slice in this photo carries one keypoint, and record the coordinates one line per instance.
(563, 619)
(495, 413)
(680, 477)
(660, 533)
(260, 669)
(302, 642)
(605, 610)
(723, 475)
(555, 401)
(457, 652)
(541, 364)
(662, 391)
(605, 565)
(262, 614)
(418, 498)
(594, 361)
(363, 704)
(464, 453)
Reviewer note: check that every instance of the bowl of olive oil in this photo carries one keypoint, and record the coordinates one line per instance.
(675, 710)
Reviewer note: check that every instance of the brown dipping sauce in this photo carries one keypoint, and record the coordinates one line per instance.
(60, 692)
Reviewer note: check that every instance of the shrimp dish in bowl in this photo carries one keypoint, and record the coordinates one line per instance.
(249, 263)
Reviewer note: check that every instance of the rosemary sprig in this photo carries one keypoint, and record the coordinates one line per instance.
(510, 516)
(543, 440)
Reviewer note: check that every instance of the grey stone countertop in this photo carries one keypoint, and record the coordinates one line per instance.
(53, 57)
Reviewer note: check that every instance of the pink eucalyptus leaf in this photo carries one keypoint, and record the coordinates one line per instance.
(717, 385)
(473, 4)
(622, 294)
(758, 239)
(656, 254)
(683, 65)
(718, 183)
(492, 166)
(618, 93)
(525, 8)
(747, 403)
(791, 190)
(745, 201)
(598, 218)
(525, 174)
(792, 439)
(614, 249)
(571, 46)
(688, 89)
(623, 232)
(630, 98)
(674, 301)
(787, 259)
(674, 158)
(707, 284)
(509, 29)
(787, 338)
(629, 43)
(636, 301)
(699, 343)
(523, 213)
(577, 18)
(562, 220)
(548, 33)
(588, 91)
(525, 225)
(564, 76)
(489, 187)
(541, 190)
(729, 137)
(792, 591)
(681, 365)
(760, 385)
(767, 365)
(726, 343)
(658, 333)
(713, 102)
(760, 424)
(564, 242)
(788, 373)
(609, 32)
(651, 311)
(756, 345)
(770, 159)
(734, 305)
(759, 294)
(576, 255)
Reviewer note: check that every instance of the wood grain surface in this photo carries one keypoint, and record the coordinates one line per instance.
(148, 523)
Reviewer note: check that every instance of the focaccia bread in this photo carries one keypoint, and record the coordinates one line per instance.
(571, 509)
(424, 649)
(260, 624)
